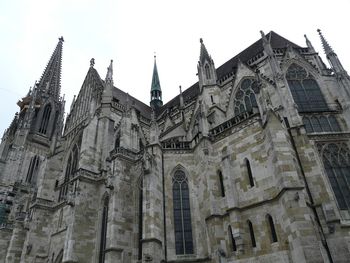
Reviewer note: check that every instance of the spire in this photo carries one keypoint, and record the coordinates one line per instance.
(309, 45)
(332, 56)
(204, 55)
(155, 77)
(51, 79)
(109, 76)
(156, 91)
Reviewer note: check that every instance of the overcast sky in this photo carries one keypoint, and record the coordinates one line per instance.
(129, 32)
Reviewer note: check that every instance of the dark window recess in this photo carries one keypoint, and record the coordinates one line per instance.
(182, 214)
(272, 229)
(103, 237)
(250, 174)
(45, 119)
(251, 232)
(232, 239)
(221, 181)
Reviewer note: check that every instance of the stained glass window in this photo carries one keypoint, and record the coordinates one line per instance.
(336, 158)
(305, 90)
(182, 214)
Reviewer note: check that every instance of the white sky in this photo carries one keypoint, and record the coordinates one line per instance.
(129, 32)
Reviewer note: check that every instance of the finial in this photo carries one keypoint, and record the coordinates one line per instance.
(155, 55)
(262, 34)
(61, 39)
(180, 89)
(319, 31)
(201, 40)
(92, 62)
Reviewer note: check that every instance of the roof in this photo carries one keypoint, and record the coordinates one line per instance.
(276, 41)
(192, 92)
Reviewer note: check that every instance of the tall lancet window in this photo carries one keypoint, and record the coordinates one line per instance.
(33, 169)
(103, 237)
(182, 214)
(207, 71)
(305, 90)
(336, 159)
(45, 119)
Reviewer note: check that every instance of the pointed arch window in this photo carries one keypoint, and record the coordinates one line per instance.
(103, 237)
(232, 240)
(273, 234)
(45, 119)
(305, 90)
(251, 233)
(336, 159)
(207, 71)
(245, 99)
(182, 214)
(250, 174)
(33, 169)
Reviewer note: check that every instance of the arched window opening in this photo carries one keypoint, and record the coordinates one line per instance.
(232, 240)
(245, 99)
(221, 182)
(33, 169)
(182, 214)
(249, 171)
(207, 71)
(336, 159)
(103, 238)
(272, 229)
(305, 90)
(251, 232)
(45, 119)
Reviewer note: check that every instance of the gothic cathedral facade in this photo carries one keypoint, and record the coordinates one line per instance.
(249, 164)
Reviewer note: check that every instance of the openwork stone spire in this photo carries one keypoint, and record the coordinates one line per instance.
(50, 81)
(204, 55)
(327, 48)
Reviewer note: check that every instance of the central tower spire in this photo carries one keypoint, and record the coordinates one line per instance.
(156, 91)
(50, 81)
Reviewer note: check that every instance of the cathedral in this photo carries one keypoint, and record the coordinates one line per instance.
(249, 164)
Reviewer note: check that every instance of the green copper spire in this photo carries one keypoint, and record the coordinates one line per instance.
(156, 91)
(155, 77)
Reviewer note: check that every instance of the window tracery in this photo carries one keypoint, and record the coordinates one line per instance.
(336, 159)
(245, 99)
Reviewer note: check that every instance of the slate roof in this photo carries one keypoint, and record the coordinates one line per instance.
(192, 92)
